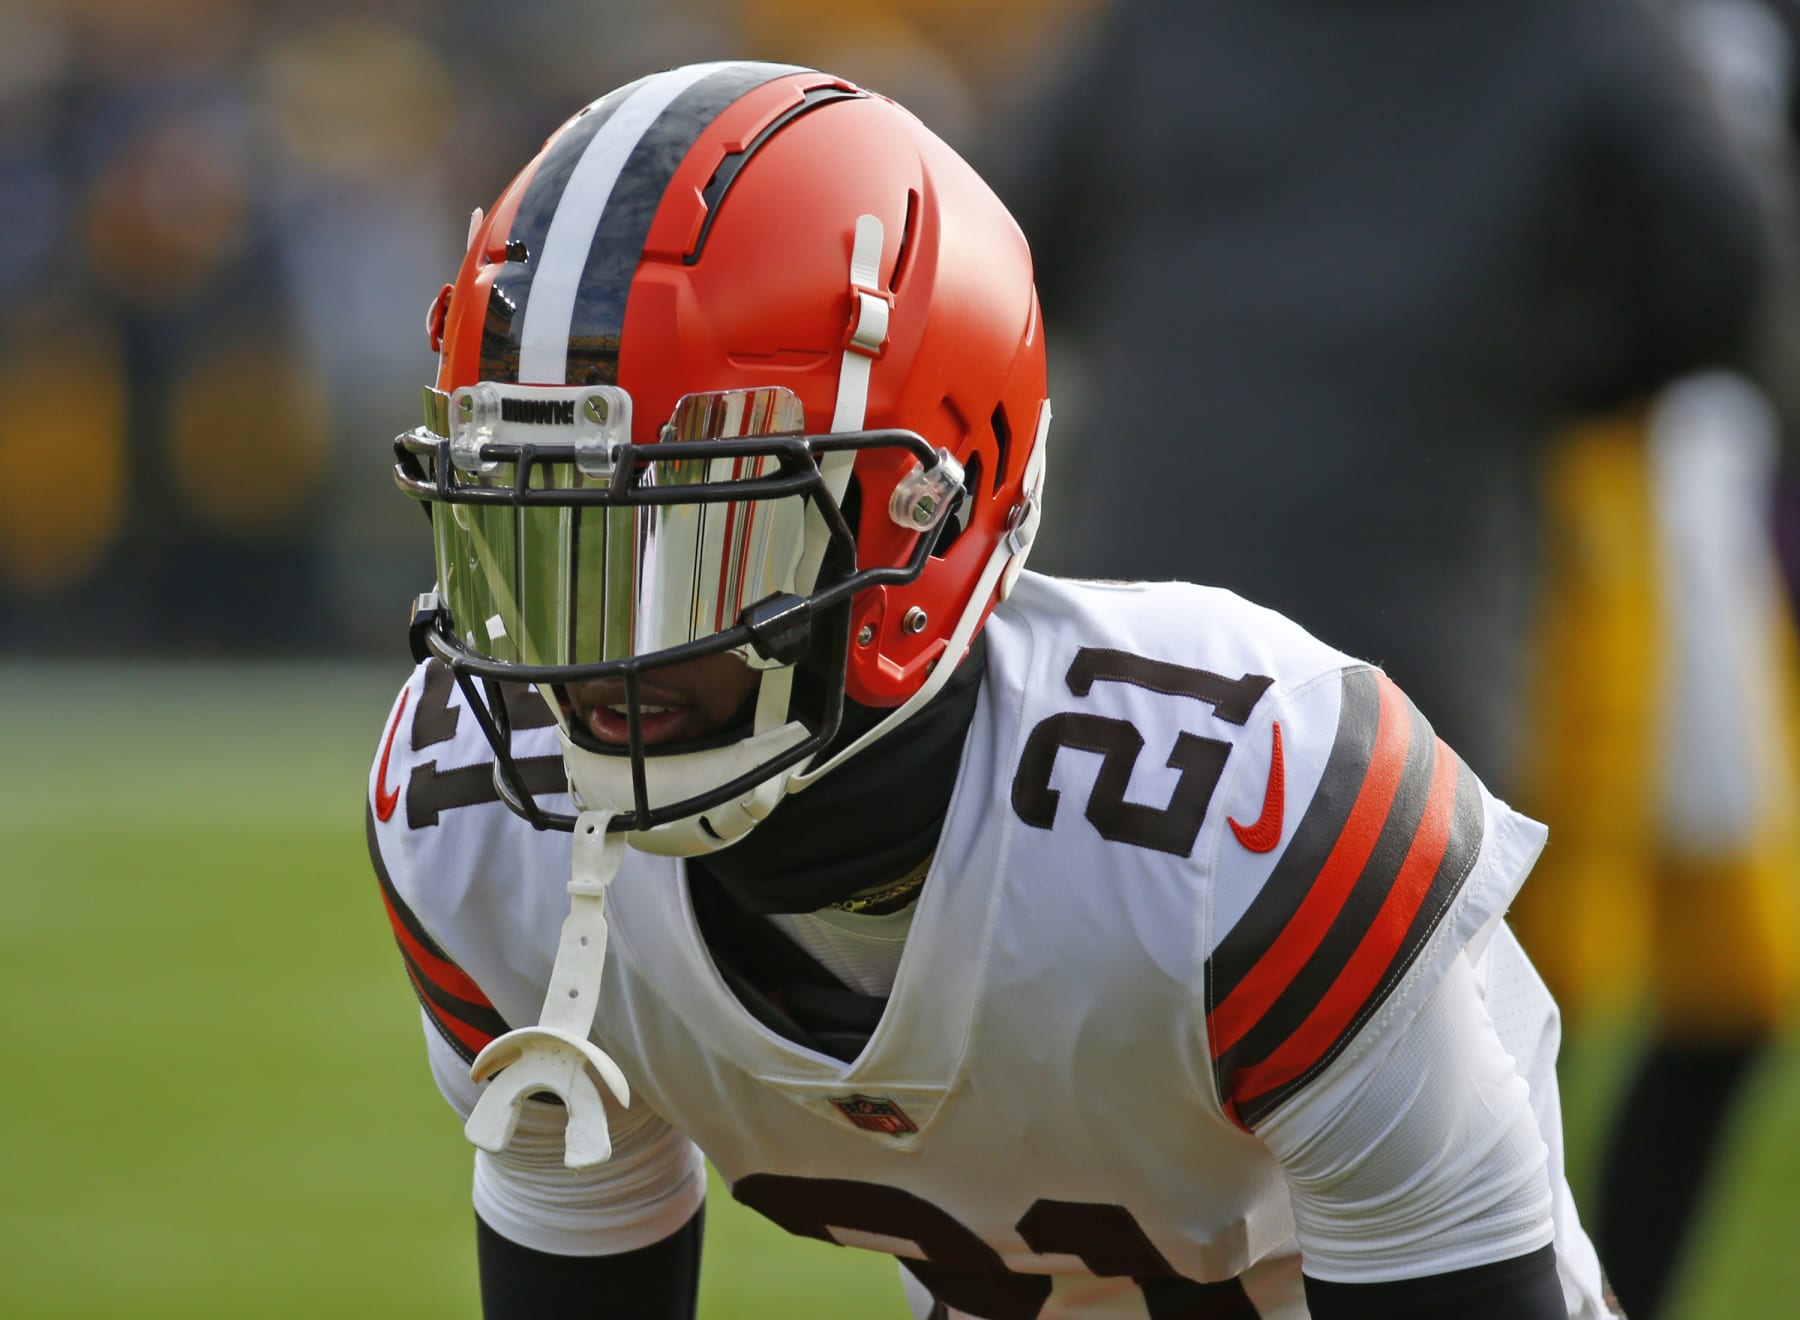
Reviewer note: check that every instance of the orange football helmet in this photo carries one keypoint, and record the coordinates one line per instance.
(745, 361)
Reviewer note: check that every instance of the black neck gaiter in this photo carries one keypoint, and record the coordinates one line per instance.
(866, 822)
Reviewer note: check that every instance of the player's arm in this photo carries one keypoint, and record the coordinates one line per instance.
(1524, 1288)
(628, 1231)
(1347, 1027)
(622, 1239)
(657, 1282)
(1422, 1189)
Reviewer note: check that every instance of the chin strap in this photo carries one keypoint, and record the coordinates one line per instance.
(865, 340)
(1001, 571)
(556, 1054)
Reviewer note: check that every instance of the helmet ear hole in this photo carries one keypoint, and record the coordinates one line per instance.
(1002, 446)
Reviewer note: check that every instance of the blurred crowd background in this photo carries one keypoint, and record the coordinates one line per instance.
(225, 220)
(1465, 333)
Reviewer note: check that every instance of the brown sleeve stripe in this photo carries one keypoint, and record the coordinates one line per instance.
(456, 1005)
(1434, 871)
(1284, 925)
(464, 1037)
(1402, 854)
(1354, 883)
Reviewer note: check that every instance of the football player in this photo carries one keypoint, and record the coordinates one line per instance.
(1097, 949)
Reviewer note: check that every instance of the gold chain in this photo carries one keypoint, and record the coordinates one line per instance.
(886, 896)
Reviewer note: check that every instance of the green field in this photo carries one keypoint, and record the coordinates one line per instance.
(217, 1104)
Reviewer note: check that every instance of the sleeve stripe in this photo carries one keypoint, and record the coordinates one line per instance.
(466, 1038)
(1312, 982)
(413, 937)
(1323, 895)
(441, 973)
(1442, 852)
(1318, 830)
(1338, 924)
(452, 999)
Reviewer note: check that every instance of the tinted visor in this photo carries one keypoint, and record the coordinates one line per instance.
(559, 543)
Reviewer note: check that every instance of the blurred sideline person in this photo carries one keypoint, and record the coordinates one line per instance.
(1345, 270)
(1419, 242)
(1096, 949)
(1664, 748)
(1664, 764)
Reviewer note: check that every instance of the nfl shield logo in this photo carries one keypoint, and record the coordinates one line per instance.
(875, 1114)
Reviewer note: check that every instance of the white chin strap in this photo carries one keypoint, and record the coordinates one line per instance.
(557, 1055)
(1003, 568)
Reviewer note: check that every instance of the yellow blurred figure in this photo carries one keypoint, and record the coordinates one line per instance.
(62, 505)
(246, 439)
(1665, 696)
(1586, 770)
(1664, 765)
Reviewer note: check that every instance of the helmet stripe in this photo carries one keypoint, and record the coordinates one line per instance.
(531, 221)
(599, 213)
(624, 229)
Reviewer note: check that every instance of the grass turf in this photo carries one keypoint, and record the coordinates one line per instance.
(216, 1103)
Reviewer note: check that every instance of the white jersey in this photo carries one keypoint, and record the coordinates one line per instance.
(1210, 900)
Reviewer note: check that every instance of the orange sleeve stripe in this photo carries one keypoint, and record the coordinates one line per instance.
(1245, 1006)
(1375, 955)
(447, 976)
(472, 1037)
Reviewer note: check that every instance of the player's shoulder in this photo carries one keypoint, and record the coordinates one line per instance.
(435, 828)
(1191, 696)
(434, 818)
(1360, 856)
(1342, 854)
(1181, 622)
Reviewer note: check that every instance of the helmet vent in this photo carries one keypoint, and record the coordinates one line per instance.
(726, 173)
(1002, 444)
(908, 230)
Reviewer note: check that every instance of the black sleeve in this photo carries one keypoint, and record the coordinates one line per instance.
(657, 1282)
(1523, 1288)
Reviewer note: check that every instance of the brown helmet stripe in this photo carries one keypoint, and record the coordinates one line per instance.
(556, 308)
